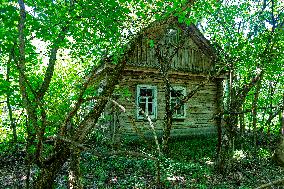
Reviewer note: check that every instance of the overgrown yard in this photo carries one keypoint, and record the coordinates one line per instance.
(190, 164)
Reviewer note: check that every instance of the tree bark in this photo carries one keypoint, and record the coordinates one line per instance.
(12, 121)
(168, 117)
(272, 184)
(279, 152)
(62, 149)
(242, 126)
(74, 170)
(26, 103)
(45, 180)
(235, 102)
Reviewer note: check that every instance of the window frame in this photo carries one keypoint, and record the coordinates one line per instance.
(183, 92)
(154, 88)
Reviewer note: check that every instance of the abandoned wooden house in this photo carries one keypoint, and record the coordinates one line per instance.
(191, 59)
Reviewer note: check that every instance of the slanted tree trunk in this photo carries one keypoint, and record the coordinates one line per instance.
(64, 146)
(74, 171)
(37, 119)
(165, 60)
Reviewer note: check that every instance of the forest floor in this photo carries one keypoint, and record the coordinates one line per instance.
(190, 164)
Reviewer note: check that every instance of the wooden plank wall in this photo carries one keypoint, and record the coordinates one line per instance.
(200, 109)
(188, 58)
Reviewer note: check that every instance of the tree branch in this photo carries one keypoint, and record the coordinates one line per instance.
(95, 72)
(52, 60)
(277, 182)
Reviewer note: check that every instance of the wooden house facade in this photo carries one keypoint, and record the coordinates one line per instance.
(191, 59)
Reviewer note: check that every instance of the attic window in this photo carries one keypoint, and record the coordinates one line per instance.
(177, 93)
(172, 35)
(146, 101)
(172, 31)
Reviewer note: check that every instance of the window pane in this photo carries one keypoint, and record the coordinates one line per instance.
(149, 92)
(143, 107)
(142, 100)
(150, 109)
(173, 93)
(146, 92)
(143, 92)
(182, 110)
(146, 100)
(176, 96)
(179, 111)
(176, 93)
(179, 93)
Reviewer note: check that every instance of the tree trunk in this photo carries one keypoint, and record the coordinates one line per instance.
(168, 117)
(24, 94)
(12, 122)
(62, 148)
(242, 126)
(74, 170)
(226, 152)
(279, 153)
(45, 180)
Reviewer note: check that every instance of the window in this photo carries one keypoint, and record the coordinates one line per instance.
(146, 101)
(177, 93)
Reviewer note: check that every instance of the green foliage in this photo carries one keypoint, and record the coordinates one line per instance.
(191, 164)
(247, 35)
(264, 153)
(151, 43)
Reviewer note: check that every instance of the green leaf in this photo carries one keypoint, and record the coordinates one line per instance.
(151, 43)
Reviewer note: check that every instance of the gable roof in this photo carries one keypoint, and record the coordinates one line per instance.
(200, 56)
(203, 43)
(159, 27)
(190, 51)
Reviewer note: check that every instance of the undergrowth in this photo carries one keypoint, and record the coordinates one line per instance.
(189, 164)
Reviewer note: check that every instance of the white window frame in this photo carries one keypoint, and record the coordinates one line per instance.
(154, 88)
(183, 92)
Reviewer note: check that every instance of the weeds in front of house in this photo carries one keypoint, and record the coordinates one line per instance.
(190, 164)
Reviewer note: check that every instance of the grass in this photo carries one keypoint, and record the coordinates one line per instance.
(190, 164)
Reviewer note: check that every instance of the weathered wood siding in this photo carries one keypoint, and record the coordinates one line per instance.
(200, 109)
(188, 58)
(190, 65)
